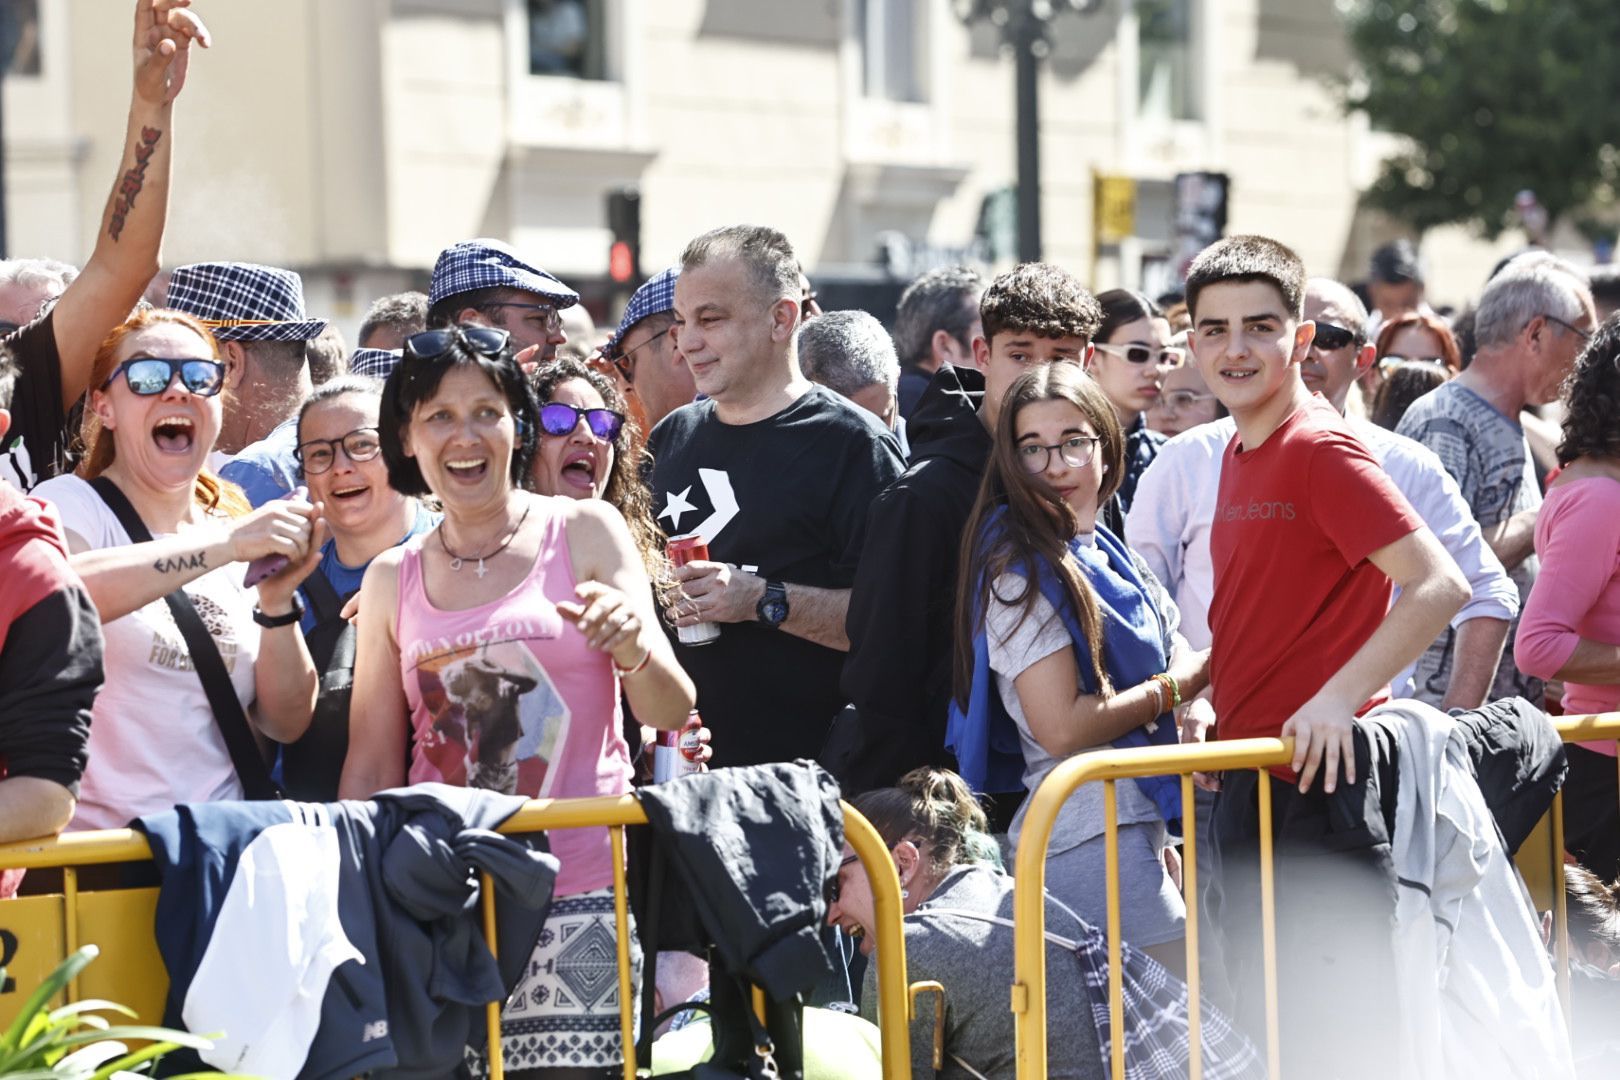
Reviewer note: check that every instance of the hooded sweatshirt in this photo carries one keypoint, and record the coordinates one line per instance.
(903, 607)
(50, 647)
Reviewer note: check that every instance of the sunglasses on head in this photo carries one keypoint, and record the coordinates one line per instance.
(432, 344)
(151, 375)
(1331, 337)
(557, 418)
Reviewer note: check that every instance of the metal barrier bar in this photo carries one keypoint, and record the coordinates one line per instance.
(1116, 935)
(1268, 927)
(492, 1011)
(1189, 889)
(540, 815)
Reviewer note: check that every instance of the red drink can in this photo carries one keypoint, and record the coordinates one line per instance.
(677, 752)
(682, 550)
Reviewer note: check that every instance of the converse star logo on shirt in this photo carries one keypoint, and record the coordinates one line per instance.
(722, 497)
(675, 505)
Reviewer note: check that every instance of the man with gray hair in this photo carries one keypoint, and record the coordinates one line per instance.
(26, 285)
(851, 354)
(1532, 321)
(934, 327)
(391, 319)
(775, 474)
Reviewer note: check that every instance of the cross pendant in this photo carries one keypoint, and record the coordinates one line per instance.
(481, 571)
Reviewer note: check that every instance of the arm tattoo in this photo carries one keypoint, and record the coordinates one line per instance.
(181, 563)
(134, 180)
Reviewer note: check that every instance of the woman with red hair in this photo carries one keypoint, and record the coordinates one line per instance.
(150, 422)
(1414, 338)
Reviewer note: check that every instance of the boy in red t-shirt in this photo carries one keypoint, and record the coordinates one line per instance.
(1309, 536)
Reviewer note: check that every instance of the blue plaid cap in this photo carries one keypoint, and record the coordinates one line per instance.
(244, 301)
(374, 363)
(490, 264)
(656, 295)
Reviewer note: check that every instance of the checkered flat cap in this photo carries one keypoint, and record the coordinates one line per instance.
(374, 363)
(656, 295)
(244, 301)
(490, 264)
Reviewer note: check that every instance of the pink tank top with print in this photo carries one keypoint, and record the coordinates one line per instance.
(508, 696)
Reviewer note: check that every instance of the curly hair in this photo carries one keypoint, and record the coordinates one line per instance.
(1040, 299)
(1592, 398)
(625, 490)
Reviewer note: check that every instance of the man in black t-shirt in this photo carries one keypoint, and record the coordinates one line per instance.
(54, 353)
(776, 474)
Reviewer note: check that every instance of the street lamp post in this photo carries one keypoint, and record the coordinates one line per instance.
(1025, 26)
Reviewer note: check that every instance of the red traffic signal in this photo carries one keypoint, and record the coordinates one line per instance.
(621, 263)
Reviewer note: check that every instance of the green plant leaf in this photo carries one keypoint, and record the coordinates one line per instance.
(65, 972)
(129, 1061)
(93, 1004)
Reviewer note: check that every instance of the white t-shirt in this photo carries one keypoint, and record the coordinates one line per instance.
(153, 739)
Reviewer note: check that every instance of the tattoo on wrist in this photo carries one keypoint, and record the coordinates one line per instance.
(181, 563)
(134, 179)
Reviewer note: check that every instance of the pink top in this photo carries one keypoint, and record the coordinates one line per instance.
(1577, 594)
(509, 697)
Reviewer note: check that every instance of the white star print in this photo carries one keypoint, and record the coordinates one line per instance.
(676, 505)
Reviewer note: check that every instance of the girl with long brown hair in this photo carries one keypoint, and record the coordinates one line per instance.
(150, 423)
(1067, 643)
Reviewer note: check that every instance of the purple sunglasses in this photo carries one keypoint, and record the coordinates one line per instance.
(558, 418)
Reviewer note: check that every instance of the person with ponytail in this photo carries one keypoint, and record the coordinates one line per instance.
(1067, 643)
(150, 422)
(958, 905)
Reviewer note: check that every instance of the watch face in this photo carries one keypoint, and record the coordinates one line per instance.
(774, 611)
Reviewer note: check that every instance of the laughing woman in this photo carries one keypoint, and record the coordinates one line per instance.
(501, 639)
(150, 424)
(339, 458)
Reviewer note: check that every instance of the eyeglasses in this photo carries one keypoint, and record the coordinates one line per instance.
(553, 316)
(1395, 360)
(619, 357)
(835, 889)
(432, 344)
(8, 327)
(1177, 400)
(151, 375)
(1331, 337)
(1170, 356)
(319, 455)
(1585, 335)
(1076, 452)
(557, 418)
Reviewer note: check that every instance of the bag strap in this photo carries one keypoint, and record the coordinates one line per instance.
(205, 659)
(324, 600)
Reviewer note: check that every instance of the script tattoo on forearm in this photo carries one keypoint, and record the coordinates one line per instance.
(181, 563)
(134, 180)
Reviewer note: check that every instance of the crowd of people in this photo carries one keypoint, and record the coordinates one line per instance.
(1029, 524)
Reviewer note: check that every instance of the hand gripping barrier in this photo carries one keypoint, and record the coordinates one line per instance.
(37, 932)
(1542, 865)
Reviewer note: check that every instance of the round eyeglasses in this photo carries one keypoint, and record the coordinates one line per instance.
(319, 455)
(1076, 452)
(149, 376)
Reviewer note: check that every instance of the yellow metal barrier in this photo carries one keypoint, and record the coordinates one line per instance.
(37, 932)
(1110, 766)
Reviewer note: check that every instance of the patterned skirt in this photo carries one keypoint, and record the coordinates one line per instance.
(565, 1010)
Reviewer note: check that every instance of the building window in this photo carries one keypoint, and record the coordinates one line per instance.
(19, 37)
(568, 38)
(893, 49)
(1167, 81)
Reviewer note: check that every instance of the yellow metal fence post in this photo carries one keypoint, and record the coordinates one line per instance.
(1189, 890)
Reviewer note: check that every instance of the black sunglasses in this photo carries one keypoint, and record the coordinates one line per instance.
(558, 418)
(8, 327)
(151, 375)
(835, 889)
(319, 455)
(432, 344)
(1332, 338)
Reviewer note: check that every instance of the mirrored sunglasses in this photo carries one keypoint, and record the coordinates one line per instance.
(1331, 337)
(151, 375)
(557, 418)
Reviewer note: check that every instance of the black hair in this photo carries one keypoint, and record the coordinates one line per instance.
(416, 379)
(1121, 307)
(1591, 394)
(1244, 259)
(334, 388)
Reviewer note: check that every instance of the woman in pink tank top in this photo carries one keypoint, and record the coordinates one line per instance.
(501, 641)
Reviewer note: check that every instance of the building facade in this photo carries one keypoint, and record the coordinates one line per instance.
(352, 139)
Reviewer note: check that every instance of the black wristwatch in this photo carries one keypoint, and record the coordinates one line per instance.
(772, 609)
(270, 622)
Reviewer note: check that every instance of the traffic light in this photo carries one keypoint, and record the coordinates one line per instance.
(624, 221)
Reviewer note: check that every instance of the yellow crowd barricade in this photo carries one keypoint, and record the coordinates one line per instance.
(38, 932)
(1540, 860)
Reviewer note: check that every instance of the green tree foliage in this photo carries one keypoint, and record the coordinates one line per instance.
(1496, 96)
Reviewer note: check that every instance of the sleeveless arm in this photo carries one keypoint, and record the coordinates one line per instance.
(378, 712)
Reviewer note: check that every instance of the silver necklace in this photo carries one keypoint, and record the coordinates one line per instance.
(456, 561)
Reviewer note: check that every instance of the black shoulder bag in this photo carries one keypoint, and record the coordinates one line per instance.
(205, 659)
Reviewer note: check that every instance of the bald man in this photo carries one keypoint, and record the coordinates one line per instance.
(1170, 520)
